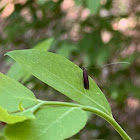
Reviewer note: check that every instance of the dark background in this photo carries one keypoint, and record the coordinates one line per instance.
(90, 33)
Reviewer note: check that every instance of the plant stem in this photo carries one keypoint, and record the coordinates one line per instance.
(108, 118)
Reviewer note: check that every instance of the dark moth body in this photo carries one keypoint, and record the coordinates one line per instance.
(85, 79)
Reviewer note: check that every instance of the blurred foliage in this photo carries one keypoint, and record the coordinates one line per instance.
(90, 33)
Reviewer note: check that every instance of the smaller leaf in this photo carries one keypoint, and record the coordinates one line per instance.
(66, 50)
(44, 45)
(16, 72)
(52, 123)
(12, 118)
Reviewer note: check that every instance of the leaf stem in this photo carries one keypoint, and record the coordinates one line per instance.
(108, 118)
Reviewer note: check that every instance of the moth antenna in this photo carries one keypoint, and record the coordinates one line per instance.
(115, 64)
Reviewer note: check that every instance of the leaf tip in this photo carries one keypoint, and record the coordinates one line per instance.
(8, 53)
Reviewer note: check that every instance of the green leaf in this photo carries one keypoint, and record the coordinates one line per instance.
(9, 118)
(14, 118)
(11, 93)
(66, 50)
(18, 73)
(93, 5)
(44, 45)
(27, 113)
(63, 75)
(52, 123)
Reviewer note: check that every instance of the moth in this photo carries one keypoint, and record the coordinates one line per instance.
(85, 74)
